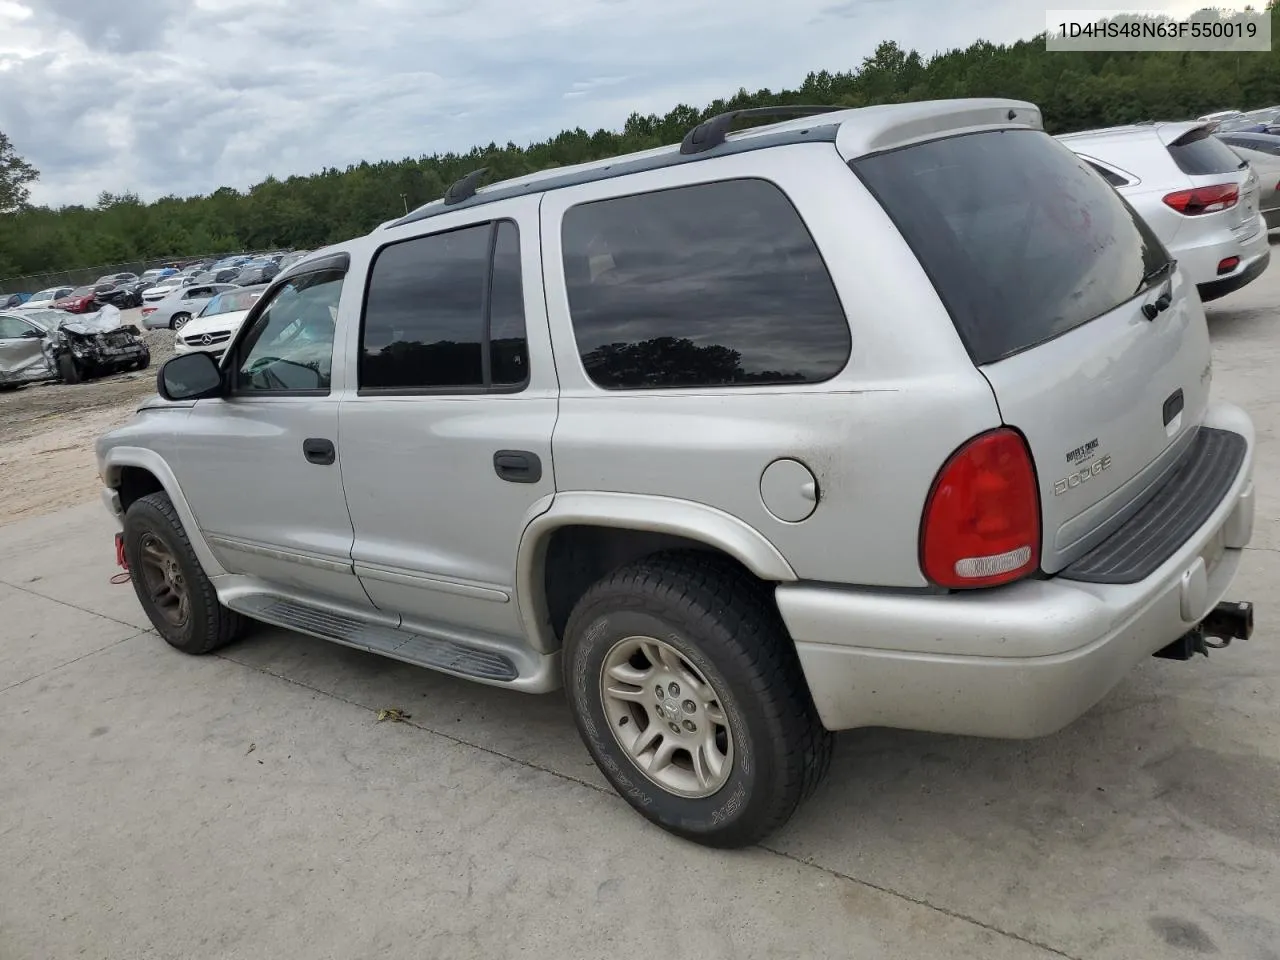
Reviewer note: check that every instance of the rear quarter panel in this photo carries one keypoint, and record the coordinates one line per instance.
(874, 436)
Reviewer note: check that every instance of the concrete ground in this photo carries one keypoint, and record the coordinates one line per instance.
(250, 805)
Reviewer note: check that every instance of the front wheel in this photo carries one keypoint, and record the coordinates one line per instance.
(69, 370)
(689, 696)
(179, 321)
(171, 585)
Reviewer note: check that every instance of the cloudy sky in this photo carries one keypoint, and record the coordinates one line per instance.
(184, 96)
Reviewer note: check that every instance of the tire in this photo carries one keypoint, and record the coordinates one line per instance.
(143, 362)
(69, 370)
(773, 750)
(152, 524)
(178, 321)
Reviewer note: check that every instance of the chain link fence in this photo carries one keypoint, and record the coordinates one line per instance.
(33, 282)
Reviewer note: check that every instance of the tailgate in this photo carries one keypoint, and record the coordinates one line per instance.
(1107, 409)
(1095, 347)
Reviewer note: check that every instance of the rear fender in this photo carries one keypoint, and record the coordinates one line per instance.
(684, 518)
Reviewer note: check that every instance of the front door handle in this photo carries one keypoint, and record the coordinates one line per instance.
(517, 466)
(318, 450)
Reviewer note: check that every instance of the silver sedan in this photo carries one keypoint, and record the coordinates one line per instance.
(181, 305)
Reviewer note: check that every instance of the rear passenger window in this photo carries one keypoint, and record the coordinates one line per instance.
(716, 284)
(446, 312)
(1112, 178)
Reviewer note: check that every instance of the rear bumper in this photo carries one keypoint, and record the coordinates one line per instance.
(1014, 662)
(1246, 272)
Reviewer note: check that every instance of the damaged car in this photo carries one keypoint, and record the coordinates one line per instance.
(38, 345)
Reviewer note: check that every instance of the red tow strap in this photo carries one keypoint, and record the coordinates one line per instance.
(121, 561)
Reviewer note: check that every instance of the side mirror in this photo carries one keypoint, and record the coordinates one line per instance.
(32, 335)
(189, 376)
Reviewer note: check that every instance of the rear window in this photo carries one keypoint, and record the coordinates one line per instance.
(1200, 154)
(1021, 239)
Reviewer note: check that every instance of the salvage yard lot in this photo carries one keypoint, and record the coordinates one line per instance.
(251, 804)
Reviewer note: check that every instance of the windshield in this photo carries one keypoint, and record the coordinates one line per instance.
(81, 292)
(43, 295)
(1021, 238)
(230, 302)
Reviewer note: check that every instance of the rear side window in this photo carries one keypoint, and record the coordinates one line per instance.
(1110, 176)
(446, 312)
(711, 285)
(1021, 241)
(1200, 154)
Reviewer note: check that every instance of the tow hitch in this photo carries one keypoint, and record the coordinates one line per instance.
(1229, 620)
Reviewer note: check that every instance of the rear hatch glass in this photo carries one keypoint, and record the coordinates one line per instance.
(1199, 154)
(1045, 271)
(1021, 239)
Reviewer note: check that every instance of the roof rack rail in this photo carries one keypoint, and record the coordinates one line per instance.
(465, 188)
(711, 133)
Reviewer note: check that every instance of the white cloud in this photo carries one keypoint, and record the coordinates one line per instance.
(176, 96)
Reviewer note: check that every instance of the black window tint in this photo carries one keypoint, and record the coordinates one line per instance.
(708, 285)
(429, 306)
(1020, 240)
(1199, 153)
(1112, 178)
(508, 345)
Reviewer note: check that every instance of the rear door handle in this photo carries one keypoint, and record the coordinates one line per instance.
(319, 450)
(517, 466)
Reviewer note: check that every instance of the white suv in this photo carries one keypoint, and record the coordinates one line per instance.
(1197, 195)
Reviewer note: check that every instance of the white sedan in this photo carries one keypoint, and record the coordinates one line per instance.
(212, 329)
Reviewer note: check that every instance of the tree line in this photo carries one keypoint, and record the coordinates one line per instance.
(1075, 90)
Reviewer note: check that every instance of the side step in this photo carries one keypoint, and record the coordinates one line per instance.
(436, 653)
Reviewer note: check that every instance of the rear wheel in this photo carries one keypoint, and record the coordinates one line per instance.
(179, 321)
(690, 698)
(169, 581)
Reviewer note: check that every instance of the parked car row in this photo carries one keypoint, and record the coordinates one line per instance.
(1264, 120)
(125, 290)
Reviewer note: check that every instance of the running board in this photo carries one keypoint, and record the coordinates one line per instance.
(436, 653)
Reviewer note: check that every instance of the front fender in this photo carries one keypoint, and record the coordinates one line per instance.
(684, 518)
(113, 460)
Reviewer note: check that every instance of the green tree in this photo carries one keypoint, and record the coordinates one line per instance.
(15, 174)
(1075, 90)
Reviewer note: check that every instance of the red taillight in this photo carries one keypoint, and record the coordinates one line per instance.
(1227, 265)
(981, 523)
(1221, 196)
(148, 311)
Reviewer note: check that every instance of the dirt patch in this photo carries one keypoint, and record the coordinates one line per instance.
(47, 433)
